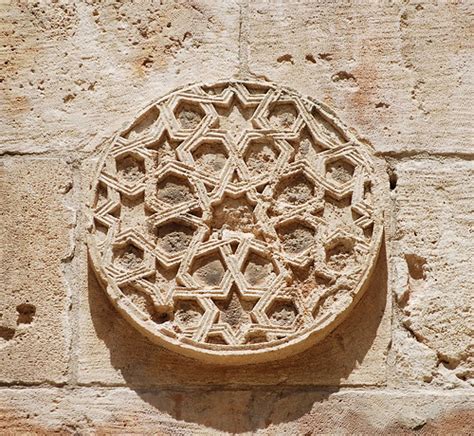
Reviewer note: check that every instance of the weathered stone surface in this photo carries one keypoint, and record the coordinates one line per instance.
(236, 222)
(400, 77)
(73, 73)
(433, 275)
(275, 411)
(112, 352)
(400, 73)
(37, 232)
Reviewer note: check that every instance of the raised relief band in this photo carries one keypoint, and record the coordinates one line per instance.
(235, 222)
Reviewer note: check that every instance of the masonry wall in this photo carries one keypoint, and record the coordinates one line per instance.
(399, 74)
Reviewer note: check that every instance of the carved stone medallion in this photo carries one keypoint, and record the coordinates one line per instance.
(235, 222)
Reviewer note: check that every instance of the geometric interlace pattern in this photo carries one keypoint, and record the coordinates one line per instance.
(234, 218)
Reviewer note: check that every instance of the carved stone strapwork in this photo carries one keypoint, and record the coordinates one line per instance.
(235, 222)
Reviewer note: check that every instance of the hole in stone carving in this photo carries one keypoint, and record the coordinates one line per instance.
(335, 210)
(235, 310)
(215, 89)
(130, 168)
(307, 280)
(26, 313)
(369, 231)
(209, 270)
(340, 171)
(7, 333)
(234, 214)
(163, 150)
(210, 157)
(392, 178)
(143, 124)
(101, 231)
(216, 339)
(188, 314)
(196, 212)
(129, 257)
(258, 271)
(165, 275)
(174, 237)
(234, 246)
(338, 253)
(101, 194)
(256, 338)
(282, 312)
(139, 299)
(296, 189)
(235, 119)
(416, 266)
(330, 131)
(368, 191)
(189, 116)
(260, 157)
(340, 296)
(173, 189)
(295, 236)
(256, 89)
(283, 115)
(305, 147)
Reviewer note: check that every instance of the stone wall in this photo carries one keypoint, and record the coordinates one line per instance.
(399, 74)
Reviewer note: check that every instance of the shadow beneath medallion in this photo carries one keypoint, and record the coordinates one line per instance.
(247, 398)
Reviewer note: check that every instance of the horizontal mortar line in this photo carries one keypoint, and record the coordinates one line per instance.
(245, 388)
(423, 154)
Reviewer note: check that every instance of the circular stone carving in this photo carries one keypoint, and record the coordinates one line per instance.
(235, 222)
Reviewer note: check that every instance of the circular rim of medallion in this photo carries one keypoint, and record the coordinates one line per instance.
(248, 353)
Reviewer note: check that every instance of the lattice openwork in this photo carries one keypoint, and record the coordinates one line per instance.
(235, 222)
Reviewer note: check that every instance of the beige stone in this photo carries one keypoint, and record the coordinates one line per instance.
(399, 76)
(399, 73)
(64, 65)
(275, 411)
(38, 241)
(236, 222)
(433, 274)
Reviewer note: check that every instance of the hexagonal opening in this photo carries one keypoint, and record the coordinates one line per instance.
(260, 156)
(144, 124)
(174, 236)
(283, 115)
(258, 271)
(295, 190)
(129, 257)
(173, 189)
(217, 339)
(208, 270)
(130, 168)
(340, 171)
(188, 314)
(282, 312)
(295, 236)
(189, 115)
(233, 214)
(210, 157)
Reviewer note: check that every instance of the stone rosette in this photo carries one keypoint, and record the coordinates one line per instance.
(235, 222)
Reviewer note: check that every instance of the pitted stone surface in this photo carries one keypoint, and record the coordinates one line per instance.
(235, 222)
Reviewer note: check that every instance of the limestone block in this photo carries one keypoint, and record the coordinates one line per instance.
(73, 72)
(37, 231)
(275, 411)
(433, 275)
(399, 80)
